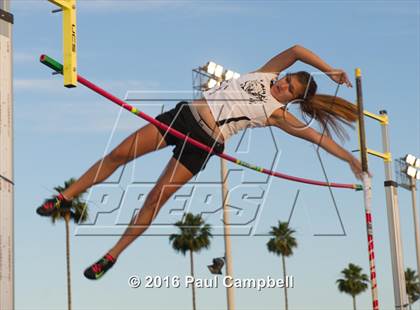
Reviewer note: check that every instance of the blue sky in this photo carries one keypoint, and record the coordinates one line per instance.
(153, 46)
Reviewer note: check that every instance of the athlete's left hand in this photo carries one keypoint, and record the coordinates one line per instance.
(339, 76)
(356, 167)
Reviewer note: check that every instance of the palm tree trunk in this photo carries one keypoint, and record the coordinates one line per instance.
(354, 302)
(286, 302)
(67, 219)
(192, 275)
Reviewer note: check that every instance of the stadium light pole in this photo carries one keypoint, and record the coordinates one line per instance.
(213, 75)
(6, 156)
(409, 169)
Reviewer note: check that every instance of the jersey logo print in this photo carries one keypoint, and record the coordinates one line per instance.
(256, 90)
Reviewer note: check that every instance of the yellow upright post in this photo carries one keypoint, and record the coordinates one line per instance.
(367, 191)
(397, 261)
(69, 41)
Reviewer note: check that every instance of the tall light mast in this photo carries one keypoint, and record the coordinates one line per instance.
(6, 159)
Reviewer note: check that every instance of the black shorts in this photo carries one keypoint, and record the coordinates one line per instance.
(181, 119)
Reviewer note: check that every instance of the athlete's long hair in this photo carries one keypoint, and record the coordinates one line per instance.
(331, 112)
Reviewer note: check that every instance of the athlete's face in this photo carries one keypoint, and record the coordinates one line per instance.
(287, 89)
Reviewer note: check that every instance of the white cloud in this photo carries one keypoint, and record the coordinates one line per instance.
(56, 85)
(128, 84)
(100, 6)
(66, 112)
(40, 85)
(126, 5)
(26, 6)
(24, 57)
(398, 8)
(149, 5)
(79, 117)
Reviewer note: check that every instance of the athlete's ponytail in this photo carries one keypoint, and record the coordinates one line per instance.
(331, 112)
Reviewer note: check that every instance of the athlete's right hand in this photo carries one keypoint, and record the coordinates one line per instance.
(340, 76)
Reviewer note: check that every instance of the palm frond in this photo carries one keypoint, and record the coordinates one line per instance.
(412, 285)
(283, 241)
(193, 234)
(354, 281)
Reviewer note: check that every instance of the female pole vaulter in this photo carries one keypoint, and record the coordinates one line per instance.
(257, 99)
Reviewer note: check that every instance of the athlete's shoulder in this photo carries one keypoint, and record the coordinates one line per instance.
(254, 74)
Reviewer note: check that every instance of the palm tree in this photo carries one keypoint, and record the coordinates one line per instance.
(194, 235)
(412, 286)
(354, 282)
(282, 244)
(77, 212)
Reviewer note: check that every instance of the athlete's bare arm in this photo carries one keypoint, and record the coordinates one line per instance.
(290, 124)
(287, 58)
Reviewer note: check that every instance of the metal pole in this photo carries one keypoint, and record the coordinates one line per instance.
(367, 191)
(6, 159)
(416, 220)
(400, 295)
(226, 227)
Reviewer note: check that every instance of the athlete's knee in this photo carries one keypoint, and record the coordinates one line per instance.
(153, 204)
(118, 156)
(154, 196)
(159, 195)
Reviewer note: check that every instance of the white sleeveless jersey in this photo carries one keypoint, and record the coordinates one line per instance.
(243, 102)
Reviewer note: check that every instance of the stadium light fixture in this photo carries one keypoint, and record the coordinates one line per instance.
(211, 83)
(210, 67)
(218, 71)
(411, 171)
(410, 159)
(228, 75)
(411, 168)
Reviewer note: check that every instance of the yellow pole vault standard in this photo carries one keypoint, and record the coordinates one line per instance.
(400, 296)
(367, 191)
(69, 41)
(383, 119)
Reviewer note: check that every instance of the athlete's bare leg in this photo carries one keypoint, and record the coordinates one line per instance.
(145, 140)
(173, 177)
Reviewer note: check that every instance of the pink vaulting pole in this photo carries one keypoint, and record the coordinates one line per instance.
(58, 68)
